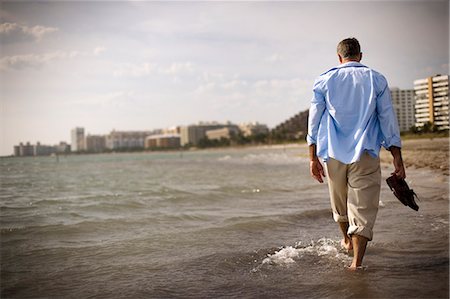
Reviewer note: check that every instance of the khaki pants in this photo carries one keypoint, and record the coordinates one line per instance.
(355, 193)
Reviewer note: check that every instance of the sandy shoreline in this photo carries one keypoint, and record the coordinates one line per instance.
(423, 153)
(417, 153)
(432, 153)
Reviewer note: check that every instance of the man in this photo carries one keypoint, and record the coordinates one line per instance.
(350, 118)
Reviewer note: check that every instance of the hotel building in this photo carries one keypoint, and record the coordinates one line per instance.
(432, 101)
(193, 133)
(126, 139)
(403, 101)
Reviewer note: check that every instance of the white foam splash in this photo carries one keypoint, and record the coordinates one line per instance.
(289, 254)
(283, 256)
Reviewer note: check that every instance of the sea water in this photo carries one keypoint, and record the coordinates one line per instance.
(247, 223)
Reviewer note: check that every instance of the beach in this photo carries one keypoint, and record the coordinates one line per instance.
(423, 153)
(222, 223)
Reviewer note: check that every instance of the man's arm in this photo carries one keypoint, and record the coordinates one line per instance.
(315, 168)
(398, 162)
(315, 115)
(389, 129)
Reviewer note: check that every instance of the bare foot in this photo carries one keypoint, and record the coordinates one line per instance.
(356, 268)
(347, 244)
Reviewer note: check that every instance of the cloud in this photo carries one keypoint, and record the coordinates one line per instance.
(147, 68)
(99, 50)
(178, 68)
(275, 58)
(134, 70)
(115, 99)
(251, 93)
(36, 61)
(13, 32)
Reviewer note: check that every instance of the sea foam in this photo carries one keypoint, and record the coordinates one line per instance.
(322, 247)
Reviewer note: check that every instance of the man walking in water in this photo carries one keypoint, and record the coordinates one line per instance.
(350, 118)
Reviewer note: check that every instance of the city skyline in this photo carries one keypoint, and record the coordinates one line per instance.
(149, 65)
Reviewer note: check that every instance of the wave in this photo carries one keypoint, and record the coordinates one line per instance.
(270, 159)
(274, 220)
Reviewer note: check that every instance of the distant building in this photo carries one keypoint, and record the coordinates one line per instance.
(62, 148)
(24, 150)
(78, 140)
(126, 139)
(226, 132)
(95, 143)
(162, 141)
(432, 101)
(43, 150)
(403, 101)
(170, 131)
(294, 128)
(39, 149)
(253, 128)
(194, 133)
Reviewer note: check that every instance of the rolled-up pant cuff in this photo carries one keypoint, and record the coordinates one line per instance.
(360, 231)
(340, 218)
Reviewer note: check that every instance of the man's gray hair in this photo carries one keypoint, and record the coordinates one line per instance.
(349, 48)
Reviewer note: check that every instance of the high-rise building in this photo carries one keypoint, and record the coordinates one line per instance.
(78, 140)
(432, 101)
(403, 101)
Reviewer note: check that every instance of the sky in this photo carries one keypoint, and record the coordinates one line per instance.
(150, 65)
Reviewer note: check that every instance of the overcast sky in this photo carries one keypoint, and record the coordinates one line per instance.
(148, 65)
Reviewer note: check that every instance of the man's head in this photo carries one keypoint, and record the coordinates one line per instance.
(349, 50)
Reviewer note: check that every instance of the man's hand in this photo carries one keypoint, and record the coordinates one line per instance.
(316, 170)
(398, 162)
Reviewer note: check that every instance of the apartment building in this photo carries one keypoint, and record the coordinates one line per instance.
(432, 101)
(403, 101)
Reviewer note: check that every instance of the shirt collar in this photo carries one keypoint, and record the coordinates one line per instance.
(351, 64)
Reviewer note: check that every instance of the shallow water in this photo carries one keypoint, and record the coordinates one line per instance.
(224, 223)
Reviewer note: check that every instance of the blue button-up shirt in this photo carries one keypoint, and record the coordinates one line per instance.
(351, 112)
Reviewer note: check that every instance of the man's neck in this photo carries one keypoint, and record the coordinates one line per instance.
(350, 60)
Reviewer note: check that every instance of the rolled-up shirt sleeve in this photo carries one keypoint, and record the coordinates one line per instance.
(387, 119)
(315, 113)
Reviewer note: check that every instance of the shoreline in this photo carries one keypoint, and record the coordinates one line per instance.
(431, 153)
